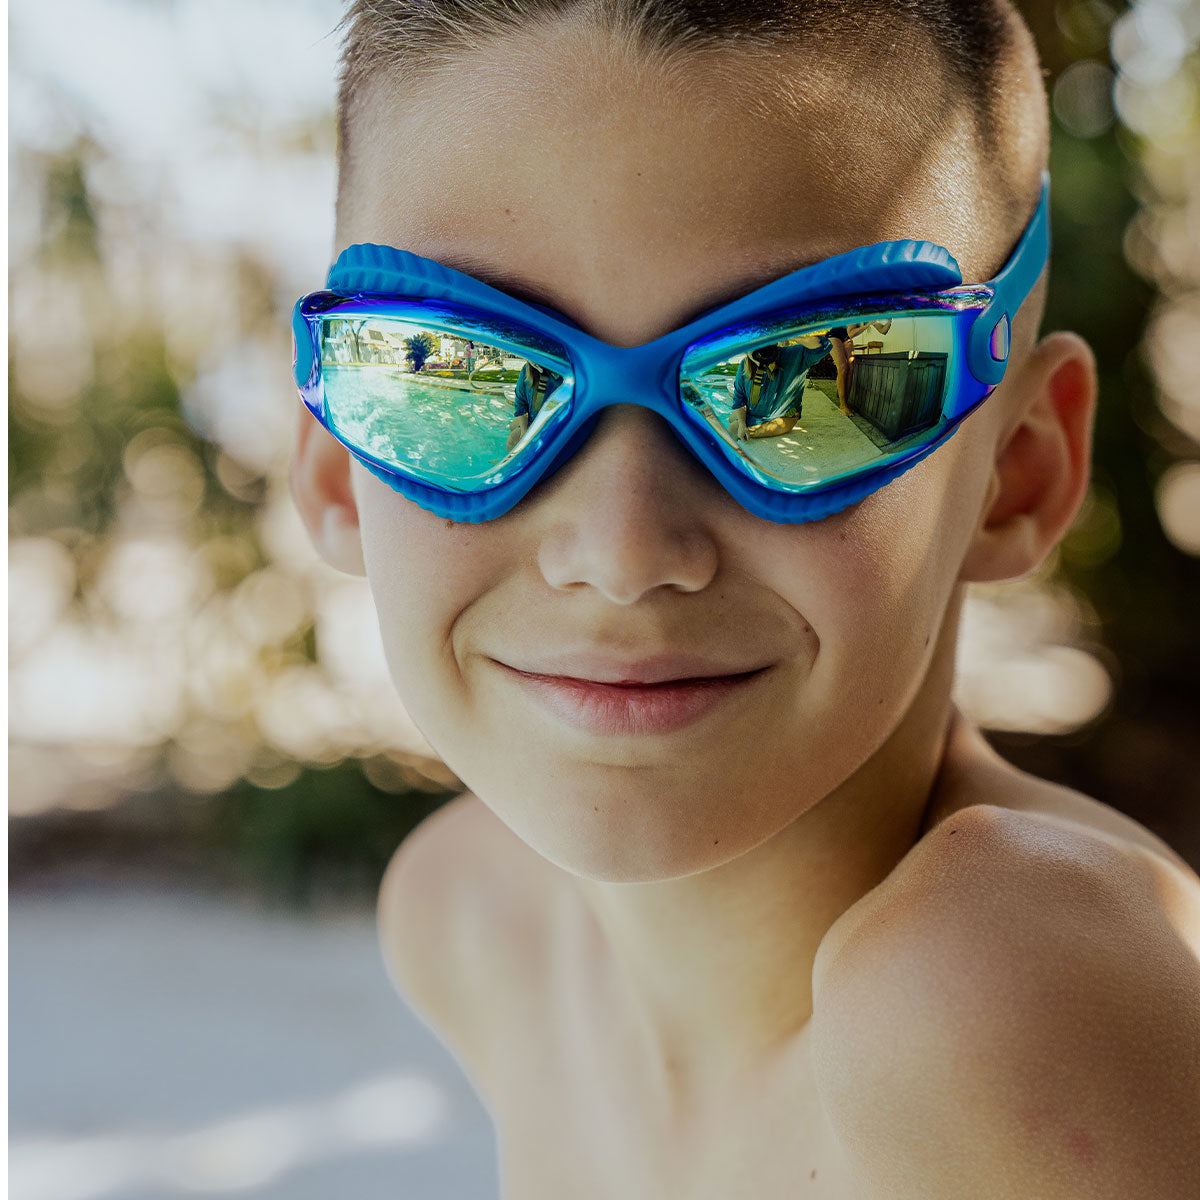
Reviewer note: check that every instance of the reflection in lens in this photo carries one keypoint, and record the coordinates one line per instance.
(455, 410)
(822, 403)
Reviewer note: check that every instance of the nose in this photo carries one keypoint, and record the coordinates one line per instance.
(628, 513)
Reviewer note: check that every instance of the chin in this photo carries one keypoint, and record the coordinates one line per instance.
(627, 835)
(607, 863)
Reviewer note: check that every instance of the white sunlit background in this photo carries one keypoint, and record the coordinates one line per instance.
(208, 764)
(172, 184)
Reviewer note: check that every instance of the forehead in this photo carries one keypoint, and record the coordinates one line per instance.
(596, 178)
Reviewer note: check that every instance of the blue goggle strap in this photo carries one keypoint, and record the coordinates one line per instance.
(990, 340)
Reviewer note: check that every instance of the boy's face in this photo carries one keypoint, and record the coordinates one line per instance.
(631, 205)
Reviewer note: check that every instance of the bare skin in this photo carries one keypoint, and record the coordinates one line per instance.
(773, 428)
(630, 940)
(841, 360)
(560, 1053)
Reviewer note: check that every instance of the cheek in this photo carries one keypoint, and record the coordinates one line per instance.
(886, 570)
(424, 572)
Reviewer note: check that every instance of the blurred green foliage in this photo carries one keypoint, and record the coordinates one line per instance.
(1094, 292)
(1140, 756)
(328, 830)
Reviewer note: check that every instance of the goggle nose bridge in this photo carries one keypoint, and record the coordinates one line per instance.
(646, 376)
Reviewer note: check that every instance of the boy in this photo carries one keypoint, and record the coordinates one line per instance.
(741, 906)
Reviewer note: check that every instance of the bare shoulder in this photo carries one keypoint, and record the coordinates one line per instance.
(988, 825)
(1023, 832)
(459, 921)
(1026, 982)
(973, 774)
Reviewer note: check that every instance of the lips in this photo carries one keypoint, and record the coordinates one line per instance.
(641, 672)
(650, 696)
(636, 683)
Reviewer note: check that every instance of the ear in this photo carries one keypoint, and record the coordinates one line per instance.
(1043, 463)
(323, 494)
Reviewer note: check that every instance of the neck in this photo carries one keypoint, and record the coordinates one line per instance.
(718, 965)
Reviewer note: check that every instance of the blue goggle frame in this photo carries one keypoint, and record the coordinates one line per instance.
(902, 275)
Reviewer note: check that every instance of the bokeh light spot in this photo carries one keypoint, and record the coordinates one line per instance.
(41, 581)
(153, 579)
(1083, 98)
(1179, 506)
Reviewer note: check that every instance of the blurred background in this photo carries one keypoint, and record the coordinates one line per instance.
(208, 766)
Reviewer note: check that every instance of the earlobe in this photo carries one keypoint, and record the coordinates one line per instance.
(321, 487)
(1042, 465)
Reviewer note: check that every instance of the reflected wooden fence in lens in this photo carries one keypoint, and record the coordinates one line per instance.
(898, 394)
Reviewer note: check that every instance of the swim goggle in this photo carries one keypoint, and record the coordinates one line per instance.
(801, 398)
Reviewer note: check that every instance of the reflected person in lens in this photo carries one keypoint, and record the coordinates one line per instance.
(768, 389)
(843, 354)
(534, 384)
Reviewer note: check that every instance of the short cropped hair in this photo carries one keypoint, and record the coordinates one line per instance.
(976, 40)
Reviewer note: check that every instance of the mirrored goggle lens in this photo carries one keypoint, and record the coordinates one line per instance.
(436, 402)
(823, 402)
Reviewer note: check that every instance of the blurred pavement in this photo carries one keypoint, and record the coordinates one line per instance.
(164, 1042)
